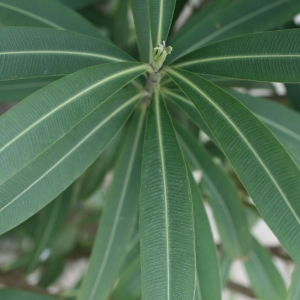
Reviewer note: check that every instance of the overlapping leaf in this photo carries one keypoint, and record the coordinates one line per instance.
(232, 19)
(265, 56)
(10, 294)
(224, 200)
(294, 290)
(119, 216)
(267, 171)
(166, 213)
(37, 52)
(39, 146)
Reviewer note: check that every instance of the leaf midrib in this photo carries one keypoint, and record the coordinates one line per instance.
(69, 100)
(120, 204)
(29, 14)
(243, 138)
(161, 151)
(71, 151)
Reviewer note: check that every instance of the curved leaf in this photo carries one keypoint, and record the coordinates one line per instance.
(140, 13)
(166, 212)
(47, 14)
(239, 18)
(65, 122)
(208, 273)
(264, 167)
(161, 15)
(265, 279)
(294, 290)
(119, 216)
(264, 56)
(37, 52)
(282, 121)
(224, 199)
(10, 294)
(225, 264)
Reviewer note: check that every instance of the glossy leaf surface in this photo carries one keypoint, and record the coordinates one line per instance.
(166, 212)
(37, 52)
(224, 199)
(119, 216)
(226, 19)
(265, 56)
(265, 279)
(47, 14)
(270, 176)
(40, 149)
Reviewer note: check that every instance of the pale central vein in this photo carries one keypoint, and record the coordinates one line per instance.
(120, 204)
(165, 188)
(67, 102)
(243, 138)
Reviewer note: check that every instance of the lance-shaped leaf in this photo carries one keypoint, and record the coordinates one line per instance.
(227, 21)
(49, 226)
(119, 216)
(225, 264)
(161, 15)
(265, 279)
(129, 287)
(65, 122)
(140, 13)
(282, 121)
(49, 14)
(208, 273)
(293, 91)
(270, 176)
(224, 199)
(10, 294)
(38, 52)
(294, 289)
(166, 212)
(265, 56)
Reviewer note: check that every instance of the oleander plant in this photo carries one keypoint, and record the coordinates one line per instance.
(124, 122)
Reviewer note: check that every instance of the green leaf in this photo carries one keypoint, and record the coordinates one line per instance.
(119, 216)
(9, 294)
(265, 279)
(225, 264)
(49, 226)
(224, 199)
(282, 121)
(293, 91)
(129, 286)
(264, 167)
(50, 14)
(160, 14)
(37, 52)
(208, 273)
(77, 4)
(227, 21)
(140, 13)
(265, 56)
(166, 213)
(294, 290)
(70, 120)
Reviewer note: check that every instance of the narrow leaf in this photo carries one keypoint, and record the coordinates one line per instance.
(225, 264)
(9, 294)
(119, 216)
(140, 13)
(208, 273)
(265, 279)
(265, 56)
(166, 213)
(161, 15)
(294, 290)
(264, 167)
(224, 199)
(50, 14)
(71, 121)
(282, 121)
(232, 19)
(37, 52)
